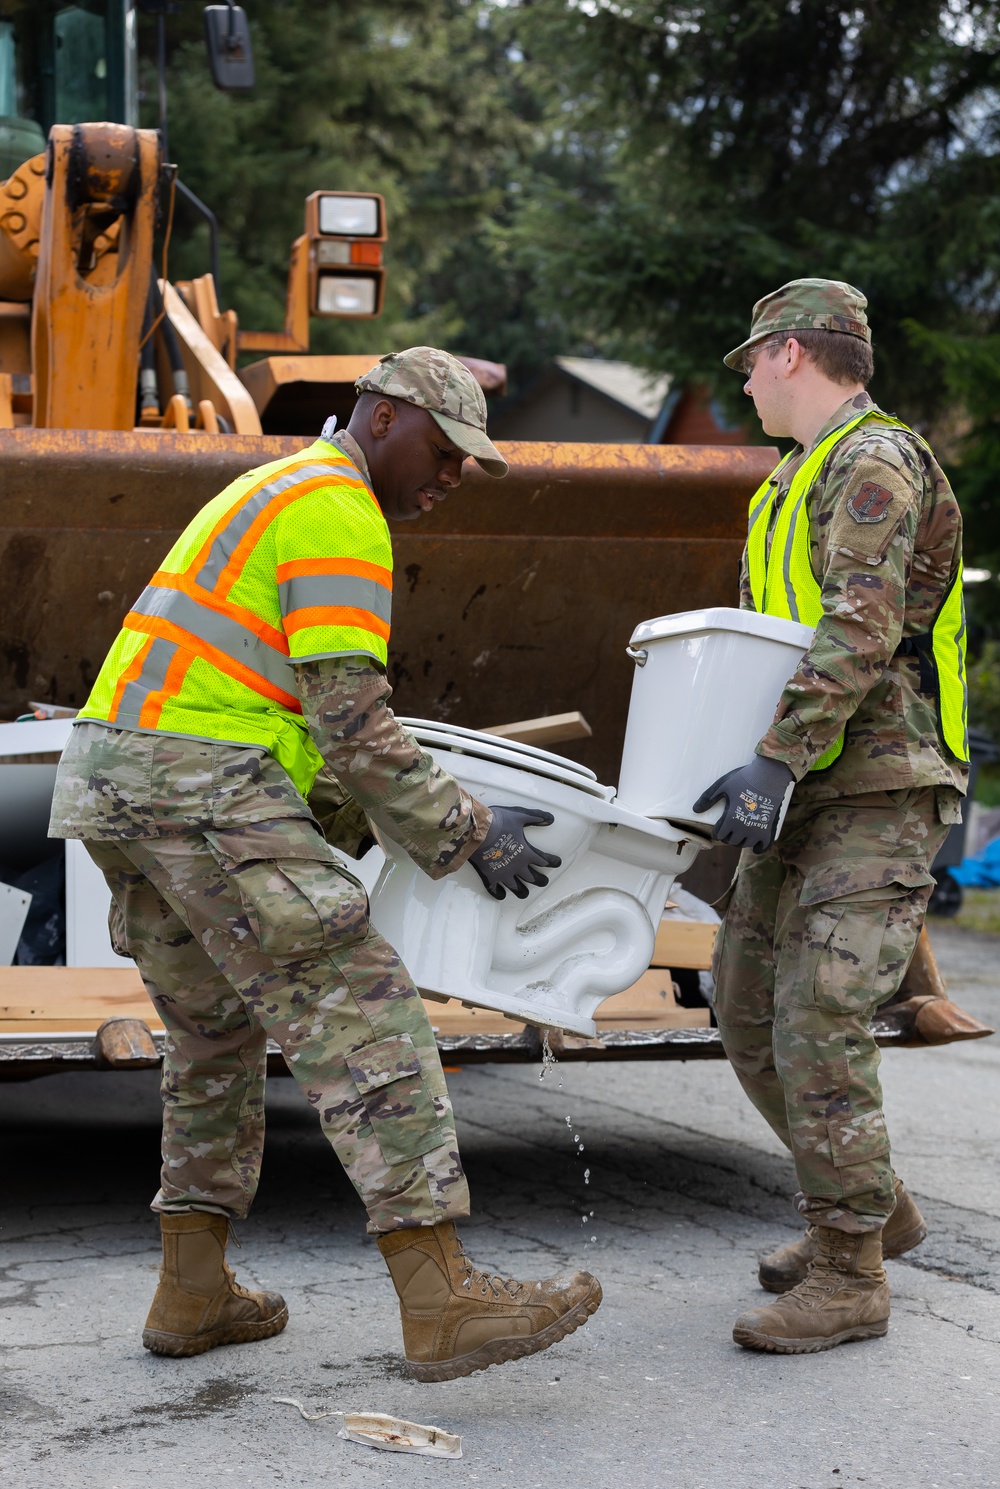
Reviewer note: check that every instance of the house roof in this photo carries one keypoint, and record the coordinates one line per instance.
(639, 391)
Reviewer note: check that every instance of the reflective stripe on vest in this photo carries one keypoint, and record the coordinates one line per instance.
(291, 562)
(782, 582)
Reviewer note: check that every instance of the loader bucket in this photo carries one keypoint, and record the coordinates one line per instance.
(513, 599)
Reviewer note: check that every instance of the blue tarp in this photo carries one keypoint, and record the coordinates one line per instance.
(982, 872)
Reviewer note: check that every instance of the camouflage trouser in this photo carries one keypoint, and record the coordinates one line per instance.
(818, 933)
(257, 931)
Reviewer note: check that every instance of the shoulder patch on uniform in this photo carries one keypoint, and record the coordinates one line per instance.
(869, 503)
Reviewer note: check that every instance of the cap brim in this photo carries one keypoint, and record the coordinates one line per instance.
(734, 359)
(472, 442)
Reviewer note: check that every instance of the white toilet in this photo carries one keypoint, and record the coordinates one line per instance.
(705, 690)
(553, 957)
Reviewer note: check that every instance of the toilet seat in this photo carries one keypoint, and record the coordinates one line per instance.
(518, 756)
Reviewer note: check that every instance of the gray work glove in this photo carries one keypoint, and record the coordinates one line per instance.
(505, 859)
(756, 796)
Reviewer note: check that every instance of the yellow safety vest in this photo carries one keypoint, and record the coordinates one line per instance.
(782, 582)
(291, 562)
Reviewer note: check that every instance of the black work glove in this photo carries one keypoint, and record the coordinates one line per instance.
(756, 796)
(505, 859)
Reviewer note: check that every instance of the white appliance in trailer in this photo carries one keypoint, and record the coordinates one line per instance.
(28, 757)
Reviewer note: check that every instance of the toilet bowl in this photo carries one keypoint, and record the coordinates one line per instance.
(552, 958)
(706, 687)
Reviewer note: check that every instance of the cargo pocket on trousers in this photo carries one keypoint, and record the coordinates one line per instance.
(844, 935)
(299, 903)
(859, 1146)
(390, 1082)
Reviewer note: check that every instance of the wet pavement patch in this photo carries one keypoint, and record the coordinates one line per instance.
(19, 1404)
(215, 1395)
(386, 1367)
(26, 1294)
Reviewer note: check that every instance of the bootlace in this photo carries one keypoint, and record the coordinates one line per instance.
(824, 1278)
(485, 1283)
(817, 1288)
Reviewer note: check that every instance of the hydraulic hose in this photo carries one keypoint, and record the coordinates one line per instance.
(149, 396)
(171, 345)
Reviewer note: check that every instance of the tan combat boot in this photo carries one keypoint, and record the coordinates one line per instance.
(457, 1320)
(844, 1296)
(787, 1266)
(199, 1303)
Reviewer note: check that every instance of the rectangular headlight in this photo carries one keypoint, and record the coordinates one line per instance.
(343, 295)
(349, 216)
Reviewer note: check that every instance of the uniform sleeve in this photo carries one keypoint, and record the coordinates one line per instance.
(380, 766)
(863, 528)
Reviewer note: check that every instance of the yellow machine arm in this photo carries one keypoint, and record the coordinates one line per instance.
(76, 256)
(89, 299)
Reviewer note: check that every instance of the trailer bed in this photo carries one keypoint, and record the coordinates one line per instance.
(55, 1019)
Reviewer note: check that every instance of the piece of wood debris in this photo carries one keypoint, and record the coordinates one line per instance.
(553, 728)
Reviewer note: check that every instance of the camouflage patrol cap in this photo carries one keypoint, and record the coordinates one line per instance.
(805, 305)
(438, 382)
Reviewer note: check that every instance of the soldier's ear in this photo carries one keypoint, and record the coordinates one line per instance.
(383, 416)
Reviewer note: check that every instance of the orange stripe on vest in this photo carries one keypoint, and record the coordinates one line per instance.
(264, 518)
(246, 618)
(157, 626)
(201, 556)
(173, 681)
(129, 675)
(355, 568)
(335, 615)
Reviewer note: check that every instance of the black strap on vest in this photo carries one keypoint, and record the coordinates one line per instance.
(922, 647)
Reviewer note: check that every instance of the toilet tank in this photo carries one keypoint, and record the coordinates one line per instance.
(706, 685)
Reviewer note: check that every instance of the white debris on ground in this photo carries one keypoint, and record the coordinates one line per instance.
(391, 1433)
(397, 1436)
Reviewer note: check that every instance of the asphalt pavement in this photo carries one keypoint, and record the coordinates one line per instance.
(677, 1191)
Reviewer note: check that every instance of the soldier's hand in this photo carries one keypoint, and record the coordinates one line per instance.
(756, 798)
(505, 859)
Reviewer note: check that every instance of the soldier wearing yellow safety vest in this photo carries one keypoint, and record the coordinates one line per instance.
(846, 802)
(242, 708)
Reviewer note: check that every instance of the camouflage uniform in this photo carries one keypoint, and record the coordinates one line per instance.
(819, 929)
(245, 924)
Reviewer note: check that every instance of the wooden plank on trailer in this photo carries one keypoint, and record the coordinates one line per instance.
(451, 1017)
(35, 1000)
(64, 999)
(649, 1004)
(684, 943)
(552, 728)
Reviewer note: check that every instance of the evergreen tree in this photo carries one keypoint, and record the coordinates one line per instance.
(405, 97)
